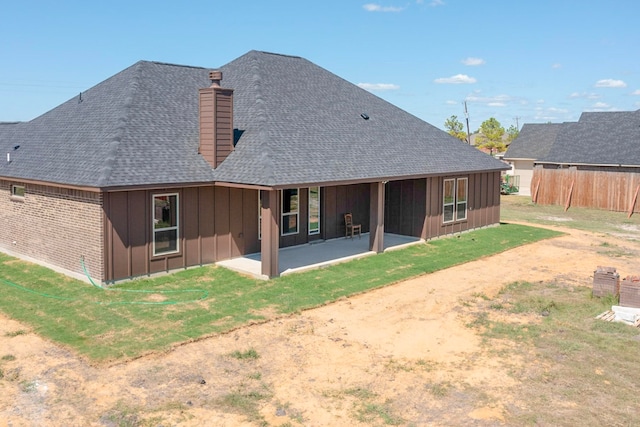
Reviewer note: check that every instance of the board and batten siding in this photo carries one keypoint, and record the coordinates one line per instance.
(215, 223)
(415, 207)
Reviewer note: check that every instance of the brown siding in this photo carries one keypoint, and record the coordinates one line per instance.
(405, 207)
(223, 124)
(216, 124)
(601, 189)
(55, 225)
(336, 201)
(207, 142)
(215, 223)
(483, 204)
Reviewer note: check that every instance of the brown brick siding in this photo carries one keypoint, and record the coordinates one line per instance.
(55, 225)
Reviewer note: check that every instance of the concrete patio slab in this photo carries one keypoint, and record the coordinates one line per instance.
(317, 254)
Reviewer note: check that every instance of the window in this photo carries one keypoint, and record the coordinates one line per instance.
(289, 211)
(461, 199)
(165, 224)
(17, 191)
(449, 202)
(314, 210)
(454, 200)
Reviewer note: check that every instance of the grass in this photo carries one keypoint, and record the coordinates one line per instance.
(106, 325)
(576, 370)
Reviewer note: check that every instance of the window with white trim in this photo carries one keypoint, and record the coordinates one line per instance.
(17, 191)
(454, 203)
(290, 209)
(165, 224)
(314, 210)
(461, 199)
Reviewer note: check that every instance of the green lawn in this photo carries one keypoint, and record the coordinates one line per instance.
(147, 315)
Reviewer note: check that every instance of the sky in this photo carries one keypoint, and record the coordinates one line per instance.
(519, 62)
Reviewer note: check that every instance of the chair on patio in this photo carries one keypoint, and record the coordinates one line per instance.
(350, 228)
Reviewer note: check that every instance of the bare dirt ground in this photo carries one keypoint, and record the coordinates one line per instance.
(400, 355)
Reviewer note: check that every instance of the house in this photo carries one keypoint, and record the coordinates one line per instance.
(162, 167)
(594, 162)
(533, 142)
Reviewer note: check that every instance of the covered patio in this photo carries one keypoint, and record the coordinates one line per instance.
(318, 254)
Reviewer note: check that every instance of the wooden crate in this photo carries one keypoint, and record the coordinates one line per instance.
(630, 292)
(606, 282)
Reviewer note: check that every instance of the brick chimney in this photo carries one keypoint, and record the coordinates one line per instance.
(216, 121)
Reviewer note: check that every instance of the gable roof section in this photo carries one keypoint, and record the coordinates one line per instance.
(533, 142)
(297, 122)
(302, 124)
(604, 138)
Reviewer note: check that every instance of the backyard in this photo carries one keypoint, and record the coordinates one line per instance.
(503, 339)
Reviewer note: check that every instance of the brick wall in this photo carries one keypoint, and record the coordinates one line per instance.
(53, 225)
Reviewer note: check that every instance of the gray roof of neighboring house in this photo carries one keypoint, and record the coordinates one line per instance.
(298, 124)
(533, 142)
(603, 138)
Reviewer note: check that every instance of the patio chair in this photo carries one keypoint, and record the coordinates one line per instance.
(350, 228)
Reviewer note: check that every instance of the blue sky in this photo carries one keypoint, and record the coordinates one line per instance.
(518, 61)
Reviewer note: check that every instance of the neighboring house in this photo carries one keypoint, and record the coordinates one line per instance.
(594, 162)
(533, 142)
(159, 168)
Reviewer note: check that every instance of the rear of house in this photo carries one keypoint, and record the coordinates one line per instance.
(162, 167)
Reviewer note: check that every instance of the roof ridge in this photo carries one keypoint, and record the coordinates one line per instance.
(279, 54)
(195, 67)
(123, 121)
(261, 113)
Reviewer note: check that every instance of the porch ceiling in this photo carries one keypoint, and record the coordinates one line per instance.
(318, 254)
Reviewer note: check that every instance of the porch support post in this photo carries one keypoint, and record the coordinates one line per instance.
(376, 218)
(270, 243)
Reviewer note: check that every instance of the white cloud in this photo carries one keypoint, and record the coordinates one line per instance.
(452, 102)
(378, 86)
(636, 92)
(584, 95)
(457, 79)
(473, 61)
(600, 106)
(496, 101)
(435, 3)
(610, 83)
(372, 7)
(556, 66)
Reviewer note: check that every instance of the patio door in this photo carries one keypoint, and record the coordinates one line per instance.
(314, 213)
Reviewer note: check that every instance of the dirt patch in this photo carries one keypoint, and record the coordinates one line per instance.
(402, 355)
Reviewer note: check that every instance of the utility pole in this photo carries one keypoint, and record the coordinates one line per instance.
(466, 115)
(517, 126)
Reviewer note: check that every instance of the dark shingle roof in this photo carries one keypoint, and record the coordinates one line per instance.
(298, 123)
(137, 127)
(533, 142)
(604, 138)
(303, 124)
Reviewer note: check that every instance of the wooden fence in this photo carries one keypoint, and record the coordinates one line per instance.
(614, 191)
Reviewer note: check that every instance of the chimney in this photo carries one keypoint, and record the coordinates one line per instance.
(216, 121)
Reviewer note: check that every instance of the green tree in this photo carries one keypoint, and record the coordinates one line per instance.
(455, 128)
(512, 133)
(490, 136)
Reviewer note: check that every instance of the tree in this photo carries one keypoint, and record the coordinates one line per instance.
(512, 133)
(490, 136)
(455, 128)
